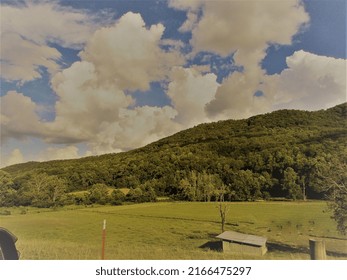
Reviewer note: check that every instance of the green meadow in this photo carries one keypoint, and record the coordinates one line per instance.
(170, 230)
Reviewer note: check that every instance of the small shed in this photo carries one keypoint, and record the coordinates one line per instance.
(235, 242)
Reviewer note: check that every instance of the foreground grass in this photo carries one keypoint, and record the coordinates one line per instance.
(170, 230)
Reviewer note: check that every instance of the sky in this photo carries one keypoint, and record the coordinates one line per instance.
(82, 77)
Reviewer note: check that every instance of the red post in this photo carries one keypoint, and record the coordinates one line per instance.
(103, 240)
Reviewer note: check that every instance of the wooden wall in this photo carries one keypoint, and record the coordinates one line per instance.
(233, 247)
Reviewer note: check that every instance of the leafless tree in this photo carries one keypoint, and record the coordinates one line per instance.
(222, 207)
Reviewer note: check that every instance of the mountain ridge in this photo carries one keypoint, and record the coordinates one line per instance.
(261, 150)
(250, 121)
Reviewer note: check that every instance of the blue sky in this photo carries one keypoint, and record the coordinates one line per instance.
(89, 77)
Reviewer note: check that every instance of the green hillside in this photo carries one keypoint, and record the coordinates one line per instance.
(280, 154)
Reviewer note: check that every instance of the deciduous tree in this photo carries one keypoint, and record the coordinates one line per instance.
(334, 179)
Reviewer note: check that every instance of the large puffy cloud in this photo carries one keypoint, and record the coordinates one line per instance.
(93, 101)
(83, 103)
(22, 58)
(129, 55)
(43, 22)
(236, 98)
(27, 32)
(135, 128)
(190, 91)
(18, 117)
(310, 82)
(100, 115)
(245, 29)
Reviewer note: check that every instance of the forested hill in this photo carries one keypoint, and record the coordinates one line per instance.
(271, 155)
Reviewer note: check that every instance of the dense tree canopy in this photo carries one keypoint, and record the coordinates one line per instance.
(279, 154)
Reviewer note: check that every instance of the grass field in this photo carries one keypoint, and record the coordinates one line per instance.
(170, 230)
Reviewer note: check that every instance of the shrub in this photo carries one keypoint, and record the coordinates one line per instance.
(5, 212)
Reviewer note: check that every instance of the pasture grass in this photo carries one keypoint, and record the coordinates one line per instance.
(171, 230)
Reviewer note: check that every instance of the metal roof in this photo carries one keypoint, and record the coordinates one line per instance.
(243, 238)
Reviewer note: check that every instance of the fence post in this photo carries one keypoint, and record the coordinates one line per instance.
(103, 240)
(317, 249)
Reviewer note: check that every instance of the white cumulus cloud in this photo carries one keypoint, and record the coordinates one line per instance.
(190, 91)
(28, 30)
(18, 117)
(84, 103)
(311, 82)
(93, 101)
(128, 54)
(244, 29)
(135, 128)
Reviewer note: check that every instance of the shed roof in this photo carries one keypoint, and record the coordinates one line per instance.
(243, 238)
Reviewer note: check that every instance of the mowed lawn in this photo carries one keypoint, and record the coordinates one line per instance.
(171, 230)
